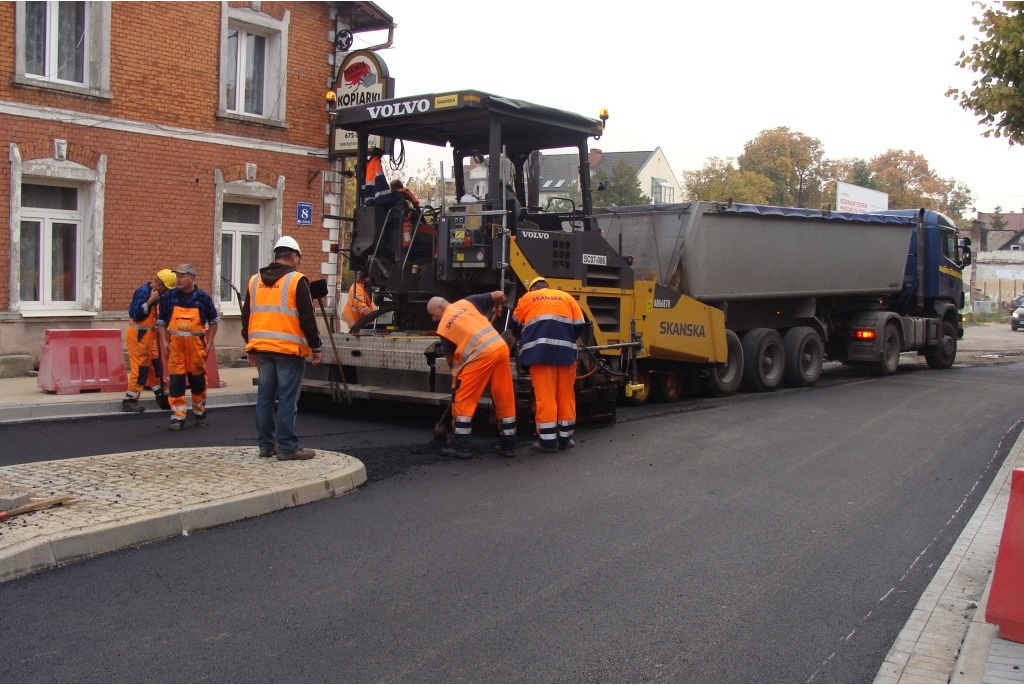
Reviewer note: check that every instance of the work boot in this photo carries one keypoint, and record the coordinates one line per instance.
(567, 445)
(457, 452)
(176, 425)
(504, 451)
(301, 453)
(268, 452)
(538, 446)
(131, 406)
(162, 400)
(201, 421)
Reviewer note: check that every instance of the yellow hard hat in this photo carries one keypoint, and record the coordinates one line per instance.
(167, 277)
(536, 281)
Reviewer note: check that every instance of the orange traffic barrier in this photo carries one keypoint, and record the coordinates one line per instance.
(212, 372)
(1005, 606)
(74, 360)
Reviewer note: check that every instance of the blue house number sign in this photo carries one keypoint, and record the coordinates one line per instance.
(304, 213)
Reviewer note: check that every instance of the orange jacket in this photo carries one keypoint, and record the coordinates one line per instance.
(471, 333)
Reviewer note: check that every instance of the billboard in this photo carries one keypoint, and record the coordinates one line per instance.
(857, 200)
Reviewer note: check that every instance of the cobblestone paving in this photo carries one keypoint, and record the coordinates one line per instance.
(131, 487)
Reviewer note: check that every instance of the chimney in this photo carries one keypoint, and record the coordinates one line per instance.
(595, 157)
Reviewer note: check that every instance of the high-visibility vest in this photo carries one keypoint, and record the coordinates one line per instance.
(357, 305)
(550, 320)
(470, 331)
(274, 316)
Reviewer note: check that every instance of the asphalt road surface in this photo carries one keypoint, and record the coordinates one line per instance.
(761, 538)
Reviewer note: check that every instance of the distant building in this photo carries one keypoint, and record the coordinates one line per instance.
(560, 175)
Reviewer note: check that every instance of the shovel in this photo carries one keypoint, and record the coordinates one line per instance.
(318, 291)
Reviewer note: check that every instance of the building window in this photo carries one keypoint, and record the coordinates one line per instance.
(56, 237)
(241, 244)
(254, 54)
(63, 46)
(49, 250)
(662, 192)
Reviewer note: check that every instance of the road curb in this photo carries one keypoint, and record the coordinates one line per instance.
(61, 548)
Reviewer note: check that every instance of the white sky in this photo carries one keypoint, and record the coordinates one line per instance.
(700, 79)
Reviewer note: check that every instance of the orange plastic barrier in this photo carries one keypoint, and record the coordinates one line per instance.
(212, 372)
(74, 360)
(1005, 605)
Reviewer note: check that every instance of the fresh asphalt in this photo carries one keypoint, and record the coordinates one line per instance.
(705, 541)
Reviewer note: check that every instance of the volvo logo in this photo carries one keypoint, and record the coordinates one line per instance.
(398, 108)
(537, 235)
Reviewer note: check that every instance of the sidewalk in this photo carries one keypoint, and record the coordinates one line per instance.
(129, 499)
(123, 500)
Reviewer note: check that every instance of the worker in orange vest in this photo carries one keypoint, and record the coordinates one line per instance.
(548, 323)
(141, 338)
(359, 302)
(280, 330)
(478, 357)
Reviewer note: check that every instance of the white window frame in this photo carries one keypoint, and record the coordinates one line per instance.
(275, 78)
(46, 218)
(659, 189)
(96, 46)
(237, 230)
(271, 199)
(91, 184)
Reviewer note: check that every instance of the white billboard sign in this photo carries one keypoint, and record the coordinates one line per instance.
(857, 200)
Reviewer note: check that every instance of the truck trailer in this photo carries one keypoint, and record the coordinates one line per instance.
(716, 293)
(799, 287)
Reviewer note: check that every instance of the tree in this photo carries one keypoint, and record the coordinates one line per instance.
(910, 182)
(618, 187)
(998, 221)
(720, 181)
(997, 95)
(792, 161)
(425, 184)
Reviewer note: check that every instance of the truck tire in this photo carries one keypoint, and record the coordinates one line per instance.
(724, 380)
(667, 387)
(803, 356)
(943, 355)
(889, 359)
(764, 360)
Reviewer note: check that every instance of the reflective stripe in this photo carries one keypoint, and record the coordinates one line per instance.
(281, 308)
(189, 334)
(548, 341)
(274, 324)
(276, 335)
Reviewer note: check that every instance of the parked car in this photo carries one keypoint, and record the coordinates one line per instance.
(1016, 318)
(1016, 302)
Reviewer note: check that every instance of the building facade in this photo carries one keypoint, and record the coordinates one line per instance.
(145, 135)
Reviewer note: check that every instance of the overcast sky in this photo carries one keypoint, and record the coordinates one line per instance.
(700, 79)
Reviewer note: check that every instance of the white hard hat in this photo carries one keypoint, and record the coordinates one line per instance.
(286, 242)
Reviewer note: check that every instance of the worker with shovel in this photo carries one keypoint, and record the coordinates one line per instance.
(280, 330)
(478, 357)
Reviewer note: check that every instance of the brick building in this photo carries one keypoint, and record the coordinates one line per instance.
(142, 135)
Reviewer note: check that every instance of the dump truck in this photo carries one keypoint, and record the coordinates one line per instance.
(799, 286)
(708, 294)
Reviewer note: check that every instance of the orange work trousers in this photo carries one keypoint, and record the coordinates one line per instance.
(555, 395)
(186, 356)
(146, 370)
(492, 370)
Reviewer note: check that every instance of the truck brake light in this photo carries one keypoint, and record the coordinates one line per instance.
(868, 334)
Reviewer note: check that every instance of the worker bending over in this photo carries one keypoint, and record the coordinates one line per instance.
(478, 357)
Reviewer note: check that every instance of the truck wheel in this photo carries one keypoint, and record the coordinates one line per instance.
(668, 387)
(764, 359)
(943, 355)
(724, 380)
(803, 356)
(889, 360)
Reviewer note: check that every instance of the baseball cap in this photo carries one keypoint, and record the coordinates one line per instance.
(185, 269)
